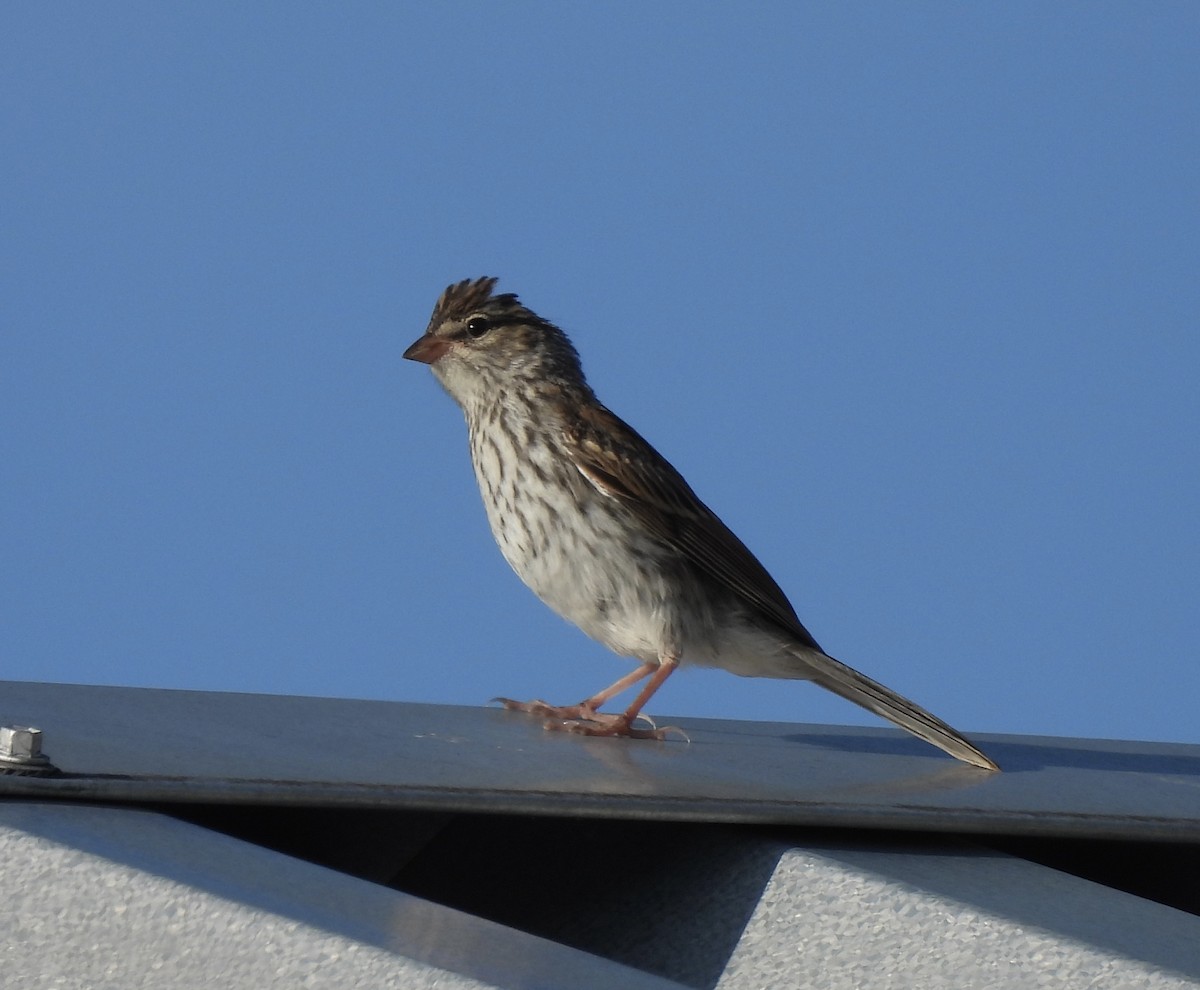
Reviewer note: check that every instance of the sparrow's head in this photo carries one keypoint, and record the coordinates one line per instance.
(480, 343)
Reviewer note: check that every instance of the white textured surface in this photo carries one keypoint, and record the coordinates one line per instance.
(115, 899)
(107, 898)
(933, 918)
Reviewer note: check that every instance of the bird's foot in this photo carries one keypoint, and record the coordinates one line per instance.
(616, 725)
(582, 719)
(546, 710)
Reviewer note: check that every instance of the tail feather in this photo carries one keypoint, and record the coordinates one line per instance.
(835, 676)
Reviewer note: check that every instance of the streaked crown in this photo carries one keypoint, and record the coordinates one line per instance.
(470, 296)
(511, 342)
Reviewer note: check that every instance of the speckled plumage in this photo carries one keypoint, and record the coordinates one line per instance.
(607, 533)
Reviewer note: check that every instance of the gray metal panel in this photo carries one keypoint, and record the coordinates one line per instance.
(844, 918)
(121, 744)
(107, 898)
(115, 899)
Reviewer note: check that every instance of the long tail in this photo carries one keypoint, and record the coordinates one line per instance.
(835, 676)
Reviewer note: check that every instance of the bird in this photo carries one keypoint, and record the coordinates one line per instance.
(610, 536)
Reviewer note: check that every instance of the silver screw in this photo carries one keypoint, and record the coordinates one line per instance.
(21, 745)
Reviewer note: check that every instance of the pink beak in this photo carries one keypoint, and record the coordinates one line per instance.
(427, 349)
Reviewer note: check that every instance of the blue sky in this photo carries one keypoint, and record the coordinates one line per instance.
(907, 291)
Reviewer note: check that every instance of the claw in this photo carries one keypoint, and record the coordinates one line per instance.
(583, 719)
(539, 707)
(581, 728)
(617, 727)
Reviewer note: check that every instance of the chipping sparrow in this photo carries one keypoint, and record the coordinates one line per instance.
(609, 535)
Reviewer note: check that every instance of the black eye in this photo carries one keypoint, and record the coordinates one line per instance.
(477, 326)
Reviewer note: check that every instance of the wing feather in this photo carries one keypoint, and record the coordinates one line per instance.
(621, 464)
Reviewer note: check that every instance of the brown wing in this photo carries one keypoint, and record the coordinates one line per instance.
(623, 465)
(620, 463)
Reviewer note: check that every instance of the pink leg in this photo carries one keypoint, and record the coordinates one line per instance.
(586, 709)
(584, 719)
(630, 679)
